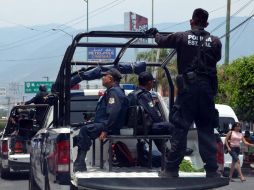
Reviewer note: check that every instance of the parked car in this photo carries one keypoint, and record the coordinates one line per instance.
(53, 154)
(15, 140)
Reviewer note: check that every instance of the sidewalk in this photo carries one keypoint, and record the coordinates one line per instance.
(248, 171)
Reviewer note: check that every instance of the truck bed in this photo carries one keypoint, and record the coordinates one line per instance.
(141, 178)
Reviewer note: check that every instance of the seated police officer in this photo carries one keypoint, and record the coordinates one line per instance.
(109, 117)
(142, 97)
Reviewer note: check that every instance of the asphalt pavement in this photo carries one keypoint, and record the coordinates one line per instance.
(20, 181)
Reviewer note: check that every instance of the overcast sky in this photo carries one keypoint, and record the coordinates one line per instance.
(104, 12)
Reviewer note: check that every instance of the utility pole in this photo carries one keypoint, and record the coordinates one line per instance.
(227, 33)
(152, 11)
(87, 84)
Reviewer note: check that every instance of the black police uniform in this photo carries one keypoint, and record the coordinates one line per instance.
(197, 55)
(110, 117)
(39, 99)
(144, 98)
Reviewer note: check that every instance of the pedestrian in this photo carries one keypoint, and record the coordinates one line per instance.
(39, 98)
(142, 97)
(197, 55)
(109, 117)
(232, 141)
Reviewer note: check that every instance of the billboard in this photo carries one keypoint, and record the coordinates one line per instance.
(134, 22)
(101, 54)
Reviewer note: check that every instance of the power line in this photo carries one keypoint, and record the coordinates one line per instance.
(38, 36)
(217, 9)
(237, 26)
(240, 33)
(237, 12)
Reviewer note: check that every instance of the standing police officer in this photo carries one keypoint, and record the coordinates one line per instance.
(197, 55)
(109, 118)
(142, 97)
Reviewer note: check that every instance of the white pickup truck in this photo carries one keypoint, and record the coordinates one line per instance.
(53, 154)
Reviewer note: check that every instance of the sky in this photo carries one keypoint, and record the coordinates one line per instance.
(29, 13)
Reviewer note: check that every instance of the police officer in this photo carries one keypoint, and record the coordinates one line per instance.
(142, 97)
(109, 118)
(39, 98)
(197, 55)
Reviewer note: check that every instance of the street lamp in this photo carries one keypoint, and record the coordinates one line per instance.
(46, 77)
(86, 15)
(58, 29)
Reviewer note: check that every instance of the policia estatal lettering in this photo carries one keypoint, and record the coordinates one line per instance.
(197, 55)
(109, 118)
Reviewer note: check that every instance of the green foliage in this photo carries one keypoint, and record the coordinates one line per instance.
(236, 87)
(186, 166)
(150, 56)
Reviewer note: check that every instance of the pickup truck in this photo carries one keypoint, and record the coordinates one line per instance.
(52, 152)
(15, 140)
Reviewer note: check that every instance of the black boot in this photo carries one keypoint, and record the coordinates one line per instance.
(80, 164)
(169, 174)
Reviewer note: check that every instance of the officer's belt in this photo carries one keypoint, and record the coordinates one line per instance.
(194, 76)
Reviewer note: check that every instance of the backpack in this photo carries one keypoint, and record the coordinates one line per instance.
(137, 118)
(122, 156)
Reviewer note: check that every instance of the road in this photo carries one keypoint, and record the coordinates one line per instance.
(20, 182)
(16, 181)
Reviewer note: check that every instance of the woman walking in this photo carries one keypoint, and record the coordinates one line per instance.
(232, 141)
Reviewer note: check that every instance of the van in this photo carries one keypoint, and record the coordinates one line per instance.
(227, 118)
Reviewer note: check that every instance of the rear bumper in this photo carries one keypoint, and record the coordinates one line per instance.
(186, 183)
(18, 166)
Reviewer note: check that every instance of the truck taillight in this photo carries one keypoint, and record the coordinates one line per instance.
(63, 156)
(5, 148)
(18, 147)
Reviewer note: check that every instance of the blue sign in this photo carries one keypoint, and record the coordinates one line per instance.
(101, 54)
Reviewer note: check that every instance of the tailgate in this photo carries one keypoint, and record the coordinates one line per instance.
(187, 183)
(21, 158)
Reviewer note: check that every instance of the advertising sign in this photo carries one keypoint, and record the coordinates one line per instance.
(101, 54)
(2, 91)
(135, 22)
(33, 86)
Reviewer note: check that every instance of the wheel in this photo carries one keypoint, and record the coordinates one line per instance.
(5, 173)
(47, 183)
(32, 184)
(72, 187)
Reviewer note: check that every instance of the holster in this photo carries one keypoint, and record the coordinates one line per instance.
(183, 80)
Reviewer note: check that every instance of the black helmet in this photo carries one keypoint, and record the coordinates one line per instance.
(43, 88)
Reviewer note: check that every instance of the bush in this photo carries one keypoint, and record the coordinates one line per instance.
(186, 166)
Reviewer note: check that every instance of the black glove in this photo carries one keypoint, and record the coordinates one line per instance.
(152, 31)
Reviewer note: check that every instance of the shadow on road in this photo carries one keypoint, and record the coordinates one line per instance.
(18, 176)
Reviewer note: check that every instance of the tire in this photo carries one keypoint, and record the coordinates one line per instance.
(5, 173)
(47, 183)
(31, 183)
(72, 187)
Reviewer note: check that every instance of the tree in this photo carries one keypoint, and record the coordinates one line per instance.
(150, 56)
(236, 86)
